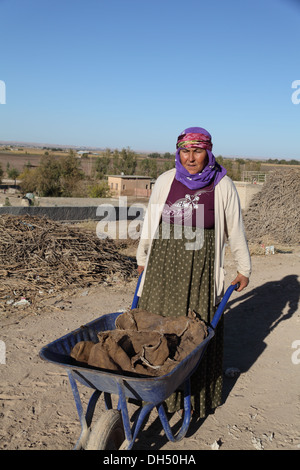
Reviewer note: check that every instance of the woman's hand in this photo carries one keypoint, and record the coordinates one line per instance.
(140, 269)
(242, 280)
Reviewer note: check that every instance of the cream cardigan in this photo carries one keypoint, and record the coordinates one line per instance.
(228, 225)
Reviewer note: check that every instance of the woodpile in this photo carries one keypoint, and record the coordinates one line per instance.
(273, 215)
(39, 255)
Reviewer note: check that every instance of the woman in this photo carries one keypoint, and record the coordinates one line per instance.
(193, 209)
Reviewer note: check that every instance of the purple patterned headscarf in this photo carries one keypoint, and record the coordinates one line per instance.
(213, 171)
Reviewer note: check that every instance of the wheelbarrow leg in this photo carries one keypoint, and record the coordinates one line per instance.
(122, 406)
(131, 434)
(85, 419)
(142, 413)
(186, 417)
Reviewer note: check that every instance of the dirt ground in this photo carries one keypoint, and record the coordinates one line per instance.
(261, 407)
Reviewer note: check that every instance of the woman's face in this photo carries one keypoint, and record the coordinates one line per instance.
(193, 160)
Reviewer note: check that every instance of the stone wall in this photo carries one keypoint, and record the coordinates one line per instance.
(108, 209)
(246, 191)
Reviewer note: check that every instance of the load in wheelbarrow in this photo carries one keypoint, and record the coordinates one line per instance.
(113, 430)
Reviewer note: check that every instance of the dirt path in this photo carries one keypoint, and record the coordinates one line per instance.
(261, 407)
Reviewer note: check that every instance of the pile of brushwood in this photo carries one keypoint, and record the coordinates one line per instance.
(273, 215)
(38, 255)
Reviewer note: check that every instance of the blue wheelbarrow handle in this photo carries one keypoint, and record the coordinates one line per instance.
(222, 305)
(136, 298)
(219, 310)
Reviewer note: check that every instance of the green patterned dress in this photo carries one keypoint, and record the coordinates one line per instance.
(178, 279)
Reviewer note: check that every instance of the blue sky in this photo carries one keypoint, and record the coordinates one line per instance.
(135, 73)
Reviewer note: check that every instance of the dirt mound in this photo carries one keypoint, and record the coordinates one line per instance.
(38, 254)
(274, 213)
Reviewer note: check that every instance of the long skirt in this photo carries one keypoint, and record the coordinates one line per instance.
(179, 277)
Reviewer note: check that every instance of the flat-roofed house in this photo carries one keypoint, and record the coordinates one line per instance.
(130, 185)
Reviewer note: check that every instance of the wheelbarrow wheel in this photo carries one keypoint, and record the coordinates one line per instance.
(108, 432)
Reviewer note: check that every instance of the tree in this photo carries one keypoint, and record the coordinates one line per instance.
(154, 155)
(48, 176)
(227, 163)
(101, 165)
(54, 177)
(28, 180)
(99, 190)
(149, 167)
(70, 166)
(13, 173)
(168, 155)
(125, 161)
(70, 173)
(168, 166)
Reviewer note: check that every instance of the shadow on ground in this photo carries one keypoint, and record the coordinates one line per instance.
(249, 319)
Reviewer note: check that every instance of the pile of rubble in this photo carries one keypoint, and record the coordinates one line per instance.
(273, 215)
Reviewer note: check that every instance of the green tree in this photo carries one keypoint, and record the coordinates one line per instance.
(13, 173)
(154, 155)
(48, 177)
(168, 155)
(28, 180)
(70, 165)
(149, 167)
(99, 190)
(69, 173)
(227, 163)
(101, 165)
(125, 161)
(167, 166)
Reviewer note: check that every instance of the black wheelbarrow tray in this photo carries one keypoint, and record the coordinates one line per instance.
(113, 430)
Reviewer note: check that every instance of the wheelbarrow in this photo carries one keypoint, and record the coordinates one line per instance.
(113, 430)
